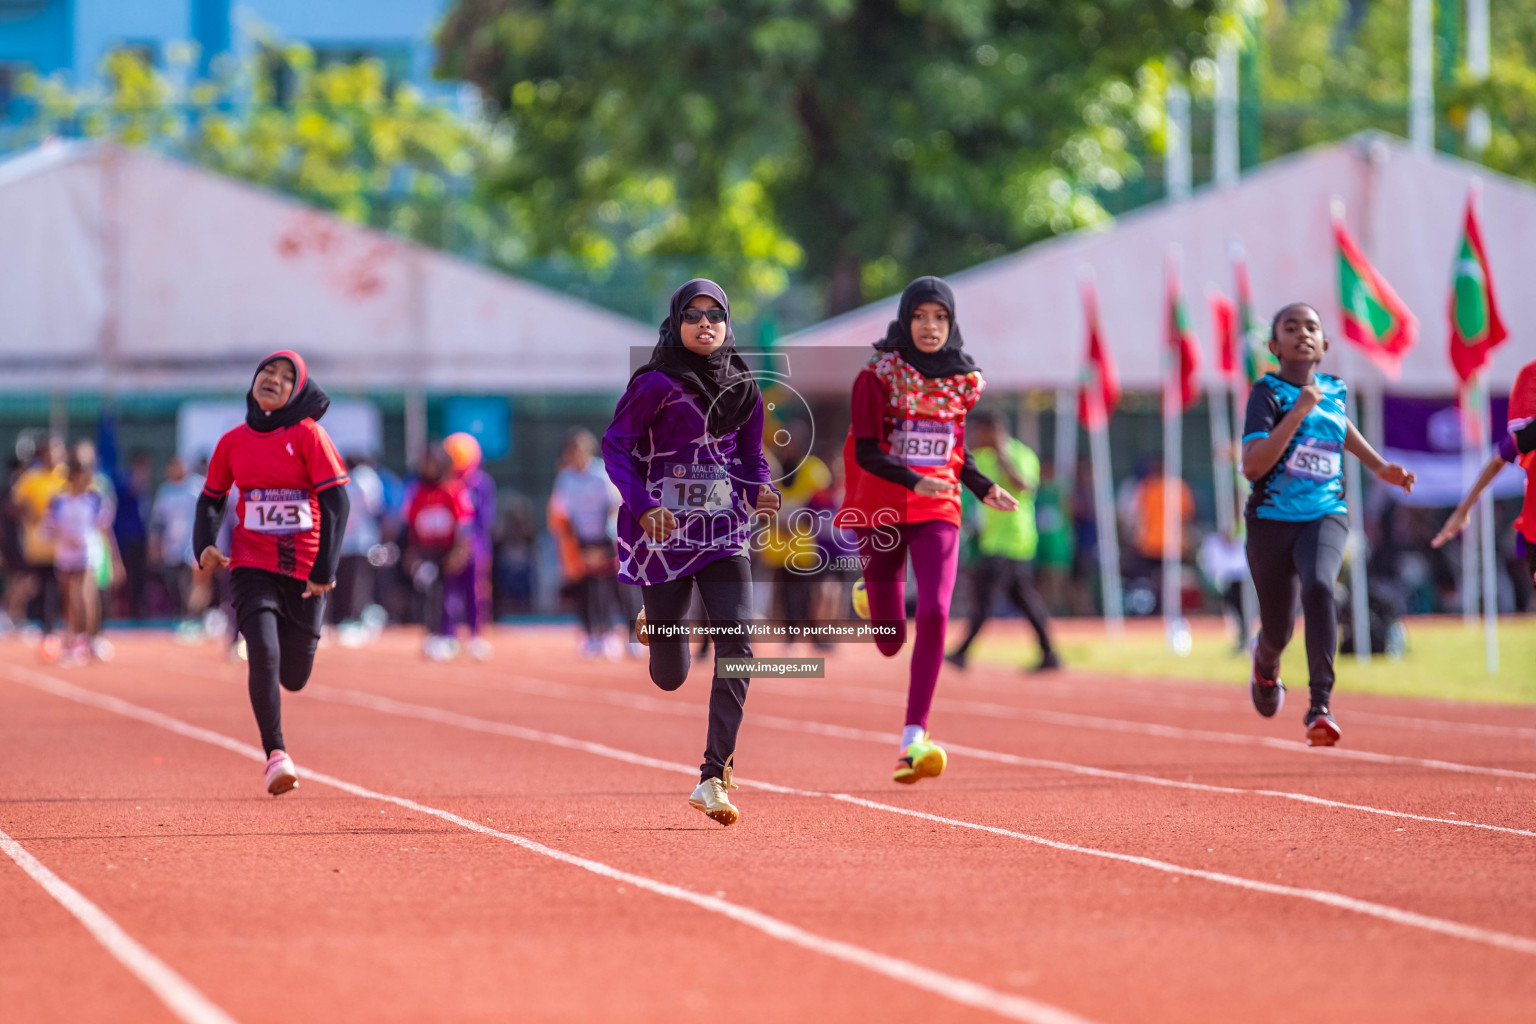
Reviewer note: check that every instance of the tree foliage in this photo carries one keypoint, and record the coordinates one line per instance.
(860, 142)
(340, 137)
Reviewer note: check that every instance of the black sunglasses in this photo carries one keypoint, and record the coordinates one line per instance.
(693, 316)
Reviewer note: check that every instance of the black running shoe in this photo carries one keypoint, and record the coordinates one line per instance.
(956, 659)
(1268, 695)
(1322, 730)
(1050, 661)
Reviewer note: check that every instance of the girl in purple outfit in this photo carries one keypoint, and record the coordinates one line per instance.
(686, 452)
(467, 593)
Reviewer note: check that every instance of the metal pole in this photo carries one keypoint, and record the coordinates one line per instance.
(1109, 537)
(1360, 608)
(1221, 458)
(1485, 530)
(1065, 456)
(1177, 161)
(1173, 473)
(1471, 449)
(1421, 83)
(1226, 155)
(1479, 129)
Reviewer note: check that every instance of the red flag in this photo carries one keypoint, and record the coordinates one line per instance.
(1229, 358)
(1375, 319)
(1476, 328)
(1181, 340)
(1099, 394)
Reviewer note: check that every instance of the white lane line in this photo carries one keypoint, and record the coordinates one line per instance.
(600, 695)
(176, 992)
(988, 709)
(1395, 915)
(947, 986)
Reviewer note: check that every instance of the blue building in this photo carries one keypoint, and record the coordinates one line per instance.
(72, 36)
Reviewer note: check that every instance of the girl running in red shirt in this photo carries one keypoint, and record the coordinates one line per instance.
(905, 459)
(289, 520)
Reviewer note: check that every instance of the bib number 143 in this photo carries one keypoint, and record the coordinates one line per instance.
(277, 510)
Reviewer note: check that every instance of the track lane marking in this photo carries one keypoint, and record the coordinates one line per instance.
(178, 994)
(951, 987)
(1381, 911)
(602, 695)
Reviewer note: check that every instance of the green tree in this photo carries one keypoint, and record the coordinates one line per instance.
(860, 141)
(339, 137)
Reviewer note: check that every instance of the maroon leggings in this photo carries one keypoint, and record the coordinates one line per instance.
(935, 548)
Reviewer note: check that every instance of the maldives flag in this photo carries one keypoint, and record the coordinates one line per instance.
(1182, 346)
(1476, 329)
(1257, 358)
(1229, 346)
(1375, 319)
(1099, 394)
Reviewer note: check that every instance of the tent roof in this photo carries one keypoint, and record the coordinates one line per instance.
(1023, 317)
(123, 265)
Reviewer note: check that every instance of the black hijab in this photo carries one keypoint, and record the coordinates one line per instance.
(948, 361)
(306, 402)
(720, 378)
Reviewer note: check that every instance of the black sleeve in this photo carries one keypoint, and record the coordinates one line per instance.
(975, 481)
(205, 524)
(1263, 411)
(867, 453)
(334, 508)
(1525, 437)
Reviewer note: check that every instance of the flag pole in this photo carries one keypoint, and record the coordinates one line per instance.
(1485, 531)
(1239, 413)
(1221, 449)
(1471, 448)
(1103, 485)
(1173, 472)
(1359, 601)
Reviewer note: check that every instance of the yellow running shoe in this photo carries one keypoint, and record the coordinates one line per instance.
(923, 759)
(860, 599)
(645, 641)
(710, 797)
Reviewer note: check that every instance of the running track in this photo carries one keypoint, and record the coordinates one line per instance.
(511, 841)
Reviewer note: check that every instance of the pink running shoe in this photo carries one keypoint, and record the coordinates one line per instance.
(281, 776)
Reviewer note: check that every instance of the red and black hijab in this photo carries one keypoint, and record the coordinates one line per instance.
(308, 400)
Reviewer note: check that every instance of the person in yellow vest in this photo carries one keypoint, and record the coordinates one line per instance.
(1006, 542)
(32, 493)
(788, 544)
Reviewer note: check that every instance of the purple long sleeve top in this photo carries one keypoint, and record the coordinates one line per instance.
(659, 451)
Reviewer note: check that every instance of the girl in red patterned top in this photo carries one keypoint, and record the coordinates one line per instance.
(905, 460)
(289, 520)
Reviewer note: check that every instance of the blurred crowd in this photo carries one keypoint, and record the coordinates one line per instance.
(82, 542)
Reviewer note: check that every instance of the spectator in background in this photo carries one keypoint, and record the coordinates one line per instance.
(130, 527)
(169, 549)
(1146, 526)
(1224, 561)
(1007, 541)
(78, 520)
(439, 519)
(1085, 540)
(583, 514)
(355, 572)
(515, 569)
(1053, 519)
(18, 579)
(469, 590)
(32, 493)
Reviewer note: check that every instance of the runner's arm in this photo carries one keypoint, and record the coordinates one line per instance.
(335, 506)
(206, 522)
(1457, 520)
(977, 482)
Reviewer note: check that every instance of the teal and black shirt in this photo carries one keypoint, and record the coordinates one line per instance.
(1308, 480)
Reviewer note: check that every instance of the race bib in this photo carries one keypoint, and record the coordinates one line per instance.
(923, 442)
(689, 486)
(1313, 459)
(277, 510)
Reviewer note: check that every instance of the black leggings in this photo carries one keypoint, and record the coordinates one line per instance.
(281, 629)
(725, 585)
(994, 573)
(1282, 557)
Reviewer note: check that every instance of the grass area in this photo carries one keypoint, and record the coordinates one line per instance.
(1444, 659)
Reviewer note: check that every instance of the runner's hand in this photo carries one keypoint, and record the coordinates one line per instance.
(1454, 525)
(1001, 500)
(212, 558)
(658, 524)
(767, 499)
(1308, 397)
(934, 487)
(313, 589)
(1396, 475)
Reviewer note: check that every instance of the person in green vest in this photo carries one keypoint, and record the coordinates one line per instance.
(1006, 543)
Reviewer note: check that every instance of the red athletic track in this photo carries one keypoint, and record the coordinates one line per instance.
(329, 906)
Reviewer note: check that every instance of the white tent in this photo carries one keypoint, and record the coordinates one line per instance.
(1023, 318)
(120, 266)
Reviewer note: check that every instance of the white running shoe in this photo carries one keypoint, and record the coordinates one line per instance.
(281, 775)
(480, 648)
(102, 649)
(710, 797)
